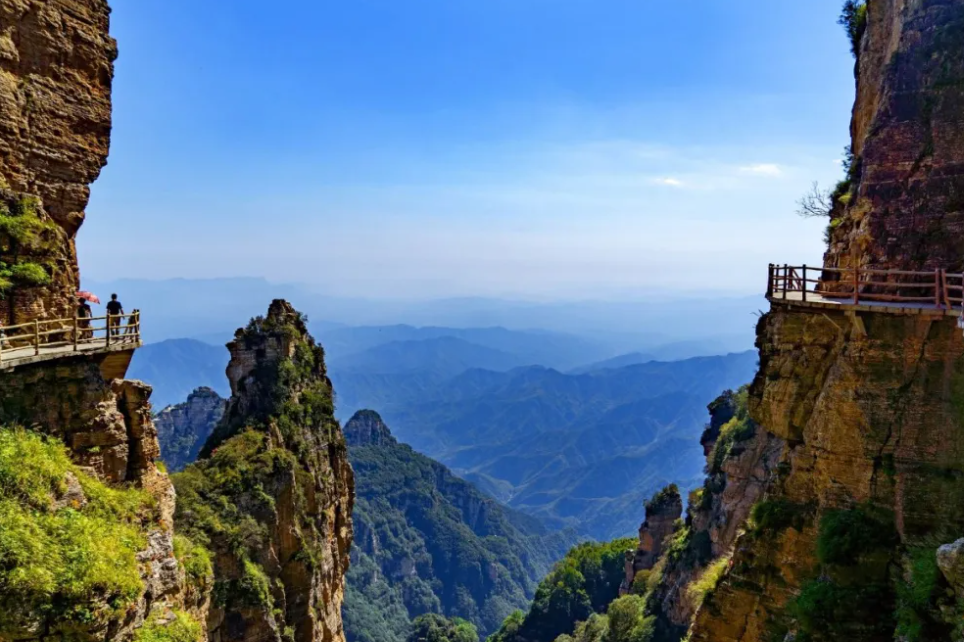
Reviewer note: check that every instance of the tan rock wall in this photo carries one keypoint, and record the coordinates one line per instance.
(872, 410)
(56, 71)
(907, 207)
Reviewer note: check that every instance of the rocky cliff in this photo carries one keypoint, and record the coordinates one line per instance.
(56, 70)
(81, 485)
(272, 493)
(183, 429)
(857, 463)
(902, 205)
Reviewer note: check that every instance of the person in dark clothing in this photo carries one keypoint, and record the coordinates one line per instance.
(115, 311)
(83, 320)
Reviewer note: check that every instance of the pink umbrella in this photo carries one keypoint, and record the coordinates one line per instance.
(90, 296)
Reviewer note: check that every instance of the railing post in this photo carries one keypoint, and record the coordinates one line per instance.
(137, 327)
(76, 331)
(937, 288)
(856, 285)
(108, 330)
(786, 278)
(770, 282)
(36, 336)
(947, 293)
(804, 283)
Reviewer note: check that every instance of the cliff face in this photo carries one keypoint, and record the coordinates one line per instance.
(56, 70)
(112, 489)
(183, 429)
(859, 455)
(869, 407)
(904, 206)
(272, 494)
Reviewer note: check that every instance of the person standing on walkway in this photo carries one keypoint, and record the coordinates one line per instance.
(83, 320)
(114, 313)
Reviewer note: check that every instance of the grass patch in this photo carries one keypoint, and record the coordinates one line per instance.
(704, 586)
(181, 628)
(72, 563)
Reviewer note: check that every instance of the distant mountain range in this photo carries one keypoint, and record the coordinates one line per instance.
(574, 450)
(209, 310)
(175, 368)
(580, 449)
(428, 542)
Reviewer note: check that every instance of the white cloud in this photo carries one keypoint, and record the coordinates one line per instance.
(670, 181)
(763, 169)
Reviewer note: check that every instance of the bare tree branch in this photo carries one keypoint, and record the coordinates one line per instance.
(815, 203)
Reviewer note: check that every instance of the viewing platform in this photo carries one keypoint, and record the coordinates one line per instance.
(934, 293)
(112, 338)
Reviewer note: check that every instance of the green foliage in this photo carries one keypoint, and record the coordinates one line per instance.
(195, 559)
(625, 621)
(853, 18)
(181, 627)
(773, 516)
(825, 610)
(469, 556)
(737, 430)
(24, 234)
(435, 628)
(852, 597)
(628, 621)
(664, 498)
(586, 581)
(66, 562)
(846, 535)
(707, 582)
(918, 596)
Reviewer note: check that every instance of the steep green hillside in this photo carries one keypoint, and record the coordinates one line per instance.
(574, 450)
(585, 582)
(428, 542)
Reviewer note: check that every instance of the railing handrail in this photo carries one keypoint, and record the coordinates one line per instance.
(862, 284)
(118, 329)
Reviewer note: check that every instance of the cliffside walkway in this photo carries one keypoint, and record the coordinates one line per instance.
(59, 338)
(935, 293)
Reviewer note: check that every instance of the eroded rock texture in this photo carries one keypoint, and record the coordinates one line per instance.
(183, 429)
(272, 493)
(869, 407)
(905, 206)
(107, 428)
(56, 70)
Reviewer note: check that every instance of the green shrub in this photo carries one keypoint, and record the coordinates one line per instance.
(918, 615)
(74, 563)
(181, 628)
(772, 516)
(846, 535)
(827, 611)
(195, 560)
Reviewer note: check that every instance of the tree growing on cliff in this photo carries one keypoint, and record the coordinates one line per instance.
(853, 18)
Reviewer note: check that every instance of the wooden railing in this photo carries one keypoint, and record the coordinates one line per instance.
(937, 288)
(66, 335)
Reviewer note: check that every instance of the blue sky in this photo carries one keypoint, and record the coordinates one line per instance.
(526, 148)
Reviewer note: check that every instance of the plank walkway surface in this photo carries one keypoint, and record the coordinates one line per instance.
(13, 357)
(815, 300)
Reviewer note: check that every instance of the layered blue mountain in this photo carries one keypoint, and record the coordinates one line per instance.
(574, 450)
(581, 449)
(177, 367)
